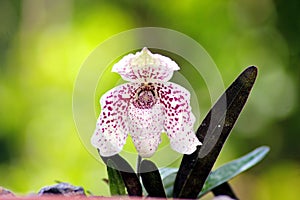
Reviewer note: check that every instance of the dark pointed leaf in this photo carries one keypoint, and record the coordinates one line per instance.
(233, 168)
(213, 132)
(132, 182)
(224, 190)
(151, 179)
(116, 184)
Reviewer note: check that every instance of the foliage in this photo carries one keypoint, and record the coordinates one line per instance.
(116, 184)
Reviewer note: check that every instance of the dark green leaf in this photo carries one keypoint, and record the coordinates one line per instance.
(151, 179)
(213, 132)
(132, 182)
(233, 168)
(224, 189)
(116, 184)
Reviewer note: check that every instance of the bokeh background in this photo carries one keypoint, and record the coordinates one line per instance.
(44, 42)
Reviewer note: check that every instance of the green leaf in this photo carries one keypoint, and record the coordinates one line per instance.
(233, 168)
(151, 179)
(220, 175)
(131, 180)
(213, 132)
(116, 184)
(167, 171)
(168, 177)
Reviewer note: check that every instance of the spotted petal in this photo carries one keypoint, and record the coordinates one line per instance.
(111, 129)
(145, 126)
(145, 67)
(179, 119)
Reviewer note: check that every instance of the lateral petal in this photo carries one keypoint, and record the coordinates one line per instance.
(112, 128)
(179, 119)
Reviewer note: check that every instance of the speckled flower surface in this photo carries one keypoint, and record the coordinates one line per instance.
(145, 107)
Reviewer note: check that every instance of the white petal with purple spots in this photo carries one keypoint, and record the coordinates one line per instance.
(179, 119)
(145, 108)
(112, 126)
(145, 127)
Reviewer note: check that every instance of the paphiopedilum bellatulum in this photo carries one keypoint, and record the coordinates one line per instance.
(145, 107)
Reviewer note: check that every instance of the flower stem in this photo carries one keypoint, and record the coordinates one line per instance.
(138, 165)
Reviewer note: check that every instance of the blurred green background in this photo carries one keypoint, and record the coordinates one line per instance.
(44, 42)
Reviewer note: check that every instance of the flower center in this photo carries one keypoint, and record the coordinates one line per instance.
(146, 96)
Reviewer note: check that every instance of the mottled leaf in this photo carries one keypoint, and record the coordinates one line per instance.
(168, 177)
(213, 132)
(167, 171)
(220, 175)
(151, 179)
(233, 168)
(116, 184)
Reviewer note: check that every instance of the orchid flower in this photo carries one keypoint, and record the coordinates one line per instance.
(145, 107)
